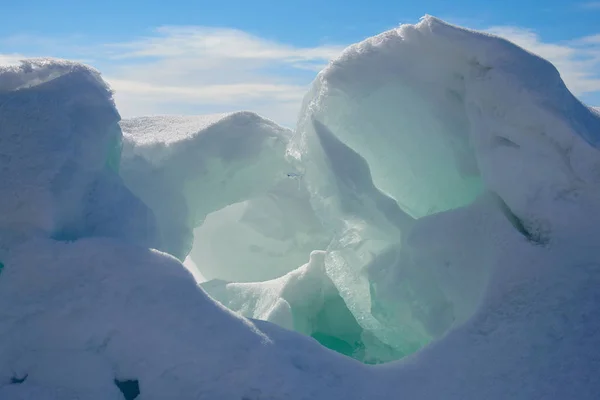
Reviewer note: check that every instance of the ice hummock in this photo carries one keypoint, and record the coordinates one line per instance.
(493, 289)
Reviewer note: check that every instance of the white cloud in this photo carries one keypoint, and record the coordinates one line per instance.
(222, 69)
(218, 43)
(10, 59)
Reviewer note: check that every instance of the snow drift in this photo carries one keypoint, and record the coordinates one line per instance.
(447, 178)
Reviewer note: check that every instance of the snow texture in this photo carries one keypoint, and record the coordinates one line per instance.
(448, 178)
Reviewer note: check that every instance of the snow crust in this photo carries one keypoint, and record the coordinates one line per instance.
(443, 185)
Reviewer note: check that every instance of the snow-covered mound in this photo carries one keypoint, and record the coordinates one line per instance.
(81, 315)
(60, 147)
(448, 178)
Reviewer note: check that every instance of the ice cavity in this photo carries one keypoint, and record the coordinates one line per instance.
(60, 146)
(227, 176)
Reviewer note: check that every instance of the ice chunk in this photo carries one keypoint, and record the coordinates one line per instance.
(187, 167)
(59, 149)
(234, 166)
(439, 117)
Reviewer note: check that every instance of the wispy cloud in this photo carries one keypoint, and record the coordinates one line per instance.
(193, 70)
(225, 69)
(10, 59)
(173, 41)
(590, 5)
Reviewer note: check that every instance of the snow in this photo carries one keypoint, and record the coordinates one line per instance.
(442, 184)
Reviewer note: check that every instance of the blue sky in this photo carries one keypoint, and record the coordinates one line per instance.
(194, 57)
